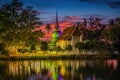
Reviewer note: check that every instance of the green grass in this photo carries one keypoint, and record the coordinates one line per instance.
(54, 56)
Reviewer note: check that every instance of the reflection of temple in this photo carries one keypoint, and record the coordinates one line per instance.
(20, 68)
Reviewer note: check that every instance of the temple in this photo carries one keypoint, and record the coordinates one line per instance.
(70, 36)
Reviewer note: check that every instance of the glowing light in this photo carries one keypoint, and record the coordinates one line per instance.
(62, 71)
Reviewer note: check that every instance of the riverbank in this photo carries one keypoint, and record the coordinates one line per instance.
(34, 56)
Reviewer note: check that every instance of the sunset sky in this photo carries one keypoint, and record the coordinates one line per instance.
(72, 11)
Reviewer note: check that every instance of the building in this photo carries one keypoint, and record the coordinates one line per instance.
(70, 36)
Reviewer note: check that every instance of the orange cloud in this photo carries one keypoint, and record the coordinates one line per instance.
(64, 21)
(62, 26)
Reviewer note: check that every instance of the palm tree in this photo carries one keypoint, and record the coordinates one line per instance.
(48, 27)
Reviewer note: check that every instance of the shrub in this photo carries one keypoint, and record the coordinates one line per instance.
(21, 50)
(58, 48)
(88, 45)
(68, 47)
(2, 46)
(79, 46)
(32, 47)
(44, 46)
(5, 52)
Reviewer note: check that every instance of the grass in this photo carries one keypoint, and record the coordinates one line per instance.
(54, 56)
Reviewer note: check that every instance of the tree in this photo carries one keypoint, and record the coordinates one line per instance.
(48, 27)
(44, 46)
(113, 33)
(79, 46)
(32, 47)
(2, 46)
(3, 49)
(88, 45)
(58, 49)
(17, 23)
(68, 47)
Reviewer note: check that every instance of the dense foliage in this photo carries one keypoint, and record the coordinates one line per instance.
(44, 46)
(18, 22)
(94, 45)
(68, 47)
(113, 33)
(3, 49)
(58, 48)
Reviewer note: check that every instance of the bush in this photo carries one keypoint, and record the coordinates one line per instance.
(2, 46)
(5, 52)
(58, 48)
(102, 46)
(32, 47)
(95, 45)
(22, 50)
(68, 47)
(79, 46)
(88, 45)
(44, 46)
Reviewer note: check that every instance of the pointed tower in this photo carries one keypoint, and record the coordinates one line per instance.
(56, 32)
(56, 23)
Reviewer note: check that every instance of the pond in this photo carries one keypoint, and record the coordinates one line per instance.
(60, 70)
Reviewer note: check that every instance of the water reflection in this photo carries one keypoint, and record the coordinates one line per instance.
(60, 70)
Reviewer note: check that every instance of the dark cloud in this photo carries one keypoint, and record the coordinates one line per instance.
(43, 12)
(110, 3)
(113, 4)
(96, 16)
(71, 18)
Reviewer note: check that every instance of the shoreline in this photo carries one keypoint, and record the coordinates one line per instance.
(61, 56)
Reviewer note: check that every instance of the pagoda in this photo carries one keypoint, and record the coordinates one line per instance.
(56, 32)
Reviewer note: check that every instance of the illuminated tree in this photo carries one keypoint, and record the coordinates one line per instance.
(17, 23)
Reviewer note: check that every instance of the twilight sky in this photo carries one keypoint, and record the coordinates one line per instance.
(72, 11)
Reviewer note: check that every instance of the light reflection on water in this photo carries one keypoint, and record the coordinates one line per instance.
(60, 70)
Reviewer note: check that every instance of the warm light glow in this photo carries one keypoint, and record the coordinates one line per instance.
(62, 71)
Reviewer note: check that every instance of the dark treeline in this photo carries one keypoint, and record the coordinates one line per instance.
(98, 36)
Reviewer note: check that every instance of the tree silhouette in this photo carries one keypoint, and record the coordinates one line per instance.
(48, 27)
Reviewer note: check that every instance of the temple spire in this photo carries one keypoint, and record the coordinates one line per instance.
(56, 23)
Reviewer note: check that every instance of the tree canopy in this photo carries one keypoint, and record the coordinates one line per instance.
(17, 22)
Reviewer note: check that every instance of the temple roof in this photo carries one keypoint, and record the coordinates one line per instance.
(68, 32)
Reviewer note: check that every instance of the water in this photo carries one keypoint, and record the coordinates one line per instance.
(60, 70)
